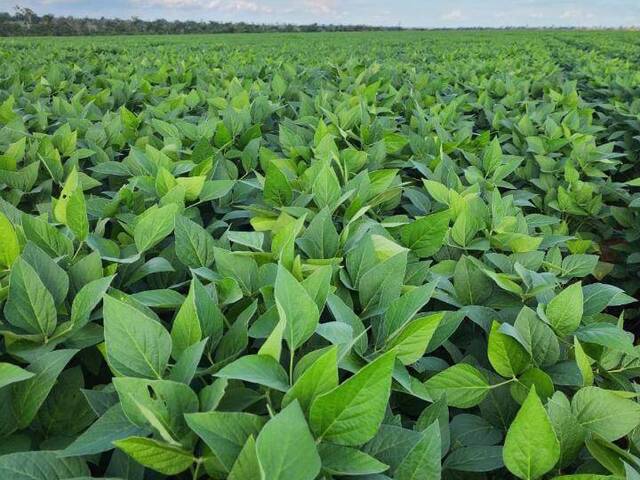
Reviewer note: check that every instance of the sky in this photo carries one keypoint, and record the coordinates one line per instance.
(407, 13)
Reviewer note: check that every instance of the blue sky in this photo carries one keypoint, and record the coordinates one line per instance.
(409, 13)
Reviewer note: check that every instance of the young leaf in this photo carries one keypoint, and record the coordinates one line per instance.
(99, 437)
(506, 355)
(225, 433)
(156, 455)
(246, 464)
(404, 309)
(531, 447)
(363, 396)
(319, 378)
(412, 341)
(10, 373)
(565, 310)
(87, 299)
(339, 460)
(9, 246)
(286, 448)
(136, 344)
(29, 395)
(423, 461)
(30, 306)
(605, 413)
(194, 245)
(41, 465)
(260, 369)
(425, 236)
(464, 385)
(154, 226)
(296, 308)
(570, 433)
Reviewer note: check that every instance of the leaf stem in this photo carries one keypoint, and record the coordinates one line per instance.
(196, 471)
(291, 355)
(506, 382)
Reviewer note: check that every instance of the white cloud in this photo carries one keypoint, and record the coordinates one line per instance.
(453, 15)
(226, 6)
(239, 6)
(577, 14)
(322, 7)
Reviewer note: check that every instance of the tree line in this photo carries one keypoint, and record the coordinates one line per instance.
(25, 22)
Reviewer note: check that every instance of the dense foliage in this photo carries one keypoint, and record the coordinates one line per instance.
(297, 257)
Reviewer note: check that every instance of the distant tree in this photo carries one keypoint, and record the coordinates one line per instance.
(24, 21)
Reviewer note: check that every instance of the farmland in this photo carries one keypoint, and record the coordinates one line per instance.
(401, 255)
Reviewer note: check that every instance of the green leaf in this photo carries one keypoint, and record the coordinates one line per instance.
(215, 189)
(112, 425)
(158, 456)
(285, 447)
(272, 346)
(30, 306)
(186, 330)
(225, 433)
(10, 373)
(475, 459)
(492, 156)
(136, 344)
(536, 337)
(246, 465)
(54, 278)
(363, 396)
(260, 369)
(29, 395)
(296, 308)
(565, 309)
(13, 155)
(76, 217)
(425, 236)
(605, 413)
(277, 190)
(70, 208)
(531, 447)
(339, 460)
(193, 186)
(325, 187)
(423, 461)
(464, 385)
(187, 363)
(404, 309)
(319, 378)
(87, 299)
(9, 246)
(243, 269)
(472, 286)
(159, 404)
(584, 363)
(320, 239)
(472, 430)
(46, 236)
(42, 465)
(437, 413)
(532, 377)
(579, 265)
(507, 357)
(194, 245)
(609, 455)
(607, 335)
(381, 284)
(570, 433)
(412, 341)
(155, 224)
